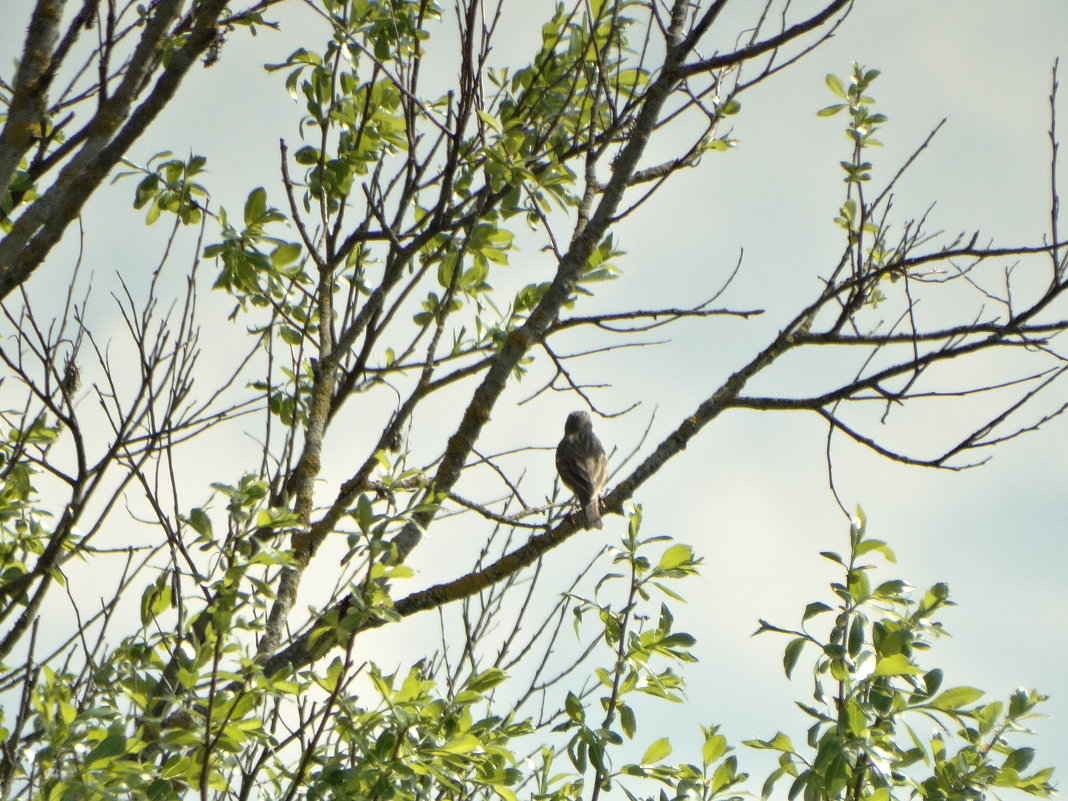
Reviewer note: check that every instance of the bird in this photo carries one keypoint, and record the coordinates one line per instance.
(582, 465)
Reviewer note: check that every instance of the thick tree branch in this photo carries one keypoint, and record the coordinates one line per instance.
(767, 45)
(40, 226)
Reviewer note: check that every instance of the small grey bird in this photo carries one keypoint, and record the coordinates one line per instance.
(582, 465)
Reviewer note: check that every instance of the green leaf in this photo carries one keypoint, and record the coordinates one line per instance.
(799, 784)
(1023, 701)
(285, 254)
(155, 599)
(790, 656)
(932, 680)
(364, 513)
(876, 545)
(859, 586)
(935, 597)
(955, 698)
(854, 715)
(289, 335)
(674, 556)
(769, 783)
(174, 767)
(726, 774)
(145, 191)
(1037, 783)
(307, 156)
(573, 707)
(830, 111)
(856, 636)
(200, 522)
(657, 751)
(815, 608)
(1020, 759)
(461, 745)
(679, 639)
(834, 83)
(490, 120)
(909, 757)
(112, 745)
(486, 680)
(891, 589)
(627, 721)
(895, 665)
(713, 748)
(780, 742)
(255, 205)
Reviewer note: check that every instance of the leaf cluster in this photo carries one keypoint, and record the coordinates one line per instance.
(873, 697)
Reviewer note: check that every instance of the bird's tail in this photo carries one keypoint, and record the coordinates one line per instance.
(593, 513)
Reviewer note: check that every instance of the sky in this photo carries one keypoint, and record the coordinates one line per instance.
(750, 493)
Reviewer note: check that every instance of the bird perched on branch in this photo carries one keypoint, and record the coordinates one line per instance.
(582, 465)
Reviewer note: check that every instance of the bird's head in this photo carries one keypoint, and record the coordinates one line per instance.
(577, 421)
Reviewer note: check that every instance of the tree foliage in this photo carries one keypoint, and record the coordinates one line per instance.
(421, 260)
